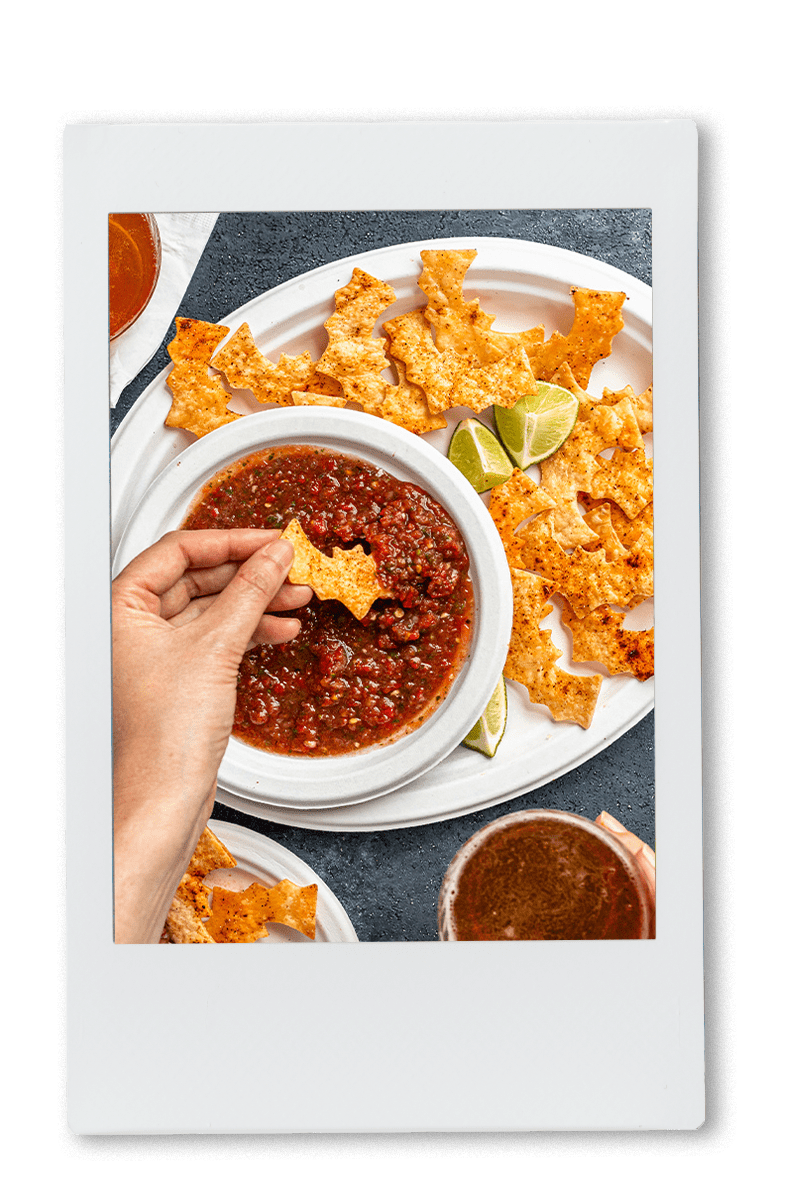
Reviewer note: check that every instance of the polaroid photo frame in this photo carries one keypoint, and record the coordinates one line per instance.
(385, 1036)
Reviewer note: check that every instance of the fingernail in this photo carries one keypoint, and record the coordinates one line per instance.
(281, 551)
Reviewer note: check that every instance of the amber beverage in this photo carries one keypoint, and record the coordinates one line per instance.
(544, 875)
(135, 259)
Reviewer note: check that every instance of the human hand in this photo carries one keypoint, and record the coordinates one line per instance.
(183, 614)
(642, 853)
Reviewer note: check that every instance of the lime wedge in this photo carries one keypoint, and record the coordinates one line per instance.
(478, 454)
(536, 426)
(489, 729)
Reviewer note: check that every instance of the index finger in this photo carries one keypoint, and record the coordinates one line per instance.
(161, 566)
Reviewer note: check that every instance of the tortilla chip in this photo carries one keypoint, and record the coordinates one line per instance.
(625, 478)
(642, 405)
(460, 325)
(598, 318)
(626, 530)
(586, 578)
(411, 342)
(184, 925)
(318, 398)
(238, 916)
(242, 916)
(599, 637)
(193, 892)
(532, 657)
(349, 576)
(244, 366)
(209, 855)
(353, 356)
(571, 469)
(516, 501)
(600, 522)
(502, 382)
(404, 404)
(294, 906)
(199, 400)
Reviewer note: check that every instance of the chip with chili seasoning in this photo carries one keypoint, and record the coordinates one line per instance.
(233, 916)
(184, 924)
(598, 319)
(515, 501)
(599, 637)
(242, 916)
(199, 400)
(532, 657)
(587, 578)
(349, 576)
(244, 366)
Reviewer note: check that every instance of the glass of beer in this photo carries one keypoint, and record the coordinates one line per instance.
(135, 259)
(544, 875)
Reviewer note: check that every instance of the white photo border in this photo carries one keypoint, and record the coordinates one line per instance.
(384, 1037)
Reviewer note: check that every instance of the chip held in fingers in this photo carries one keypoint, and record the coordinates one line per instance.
(349, 576)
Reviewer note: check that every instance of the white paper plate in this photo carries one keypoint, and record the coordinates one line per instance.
(261, 860)
(524, 284)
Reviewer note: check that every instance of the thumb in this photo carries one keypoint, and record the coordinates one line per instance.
(237, 610)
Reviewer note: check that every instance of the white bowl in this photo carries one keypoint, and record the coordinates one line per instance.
(339, 780)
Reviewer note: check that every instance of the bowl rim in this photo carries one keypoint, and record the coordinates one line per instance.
(339, 780)
(521, 817)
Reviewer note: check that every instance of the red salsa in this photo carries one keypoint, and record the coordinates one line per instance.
(545, 880)
(343, 685)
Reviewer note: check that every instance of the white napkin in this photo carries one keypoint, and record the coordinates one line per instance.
(183, 236)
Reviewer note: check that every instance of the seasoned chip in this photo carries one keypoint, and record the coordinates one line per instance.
(190, 903)
(598, 318)
(318, 398)
(294, 906)
(642, 405)
(405, 404)
(193, 892)
(244, 366)
(209, 855)
(199, 400)
(599, 637)
(600, 521)
(238, 916)
(349, 576)
(502, 382)
(353, 356)
(242, 916)
(515, 501)
(626, 530)
(460, 325)
(586, 578)
(626, 478)
(184, 925)
(571, 469)
(411, 342)
(532, 657)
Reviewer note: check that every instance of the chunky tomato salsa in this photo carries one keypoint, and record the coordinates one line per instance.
(342, 684)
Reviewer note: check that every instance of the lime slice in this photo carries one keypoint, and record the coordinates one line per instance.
(479, 455)
(489, 729)
(536, 426)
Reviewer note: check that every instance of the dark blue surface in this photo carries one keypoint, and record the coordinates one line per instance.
(389, 881)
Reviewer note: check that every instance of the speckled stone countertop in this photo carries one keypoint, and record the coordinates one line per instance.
(389, 881)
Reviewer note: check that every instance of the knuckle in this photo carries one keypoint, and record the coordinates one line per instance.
(263, 575)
